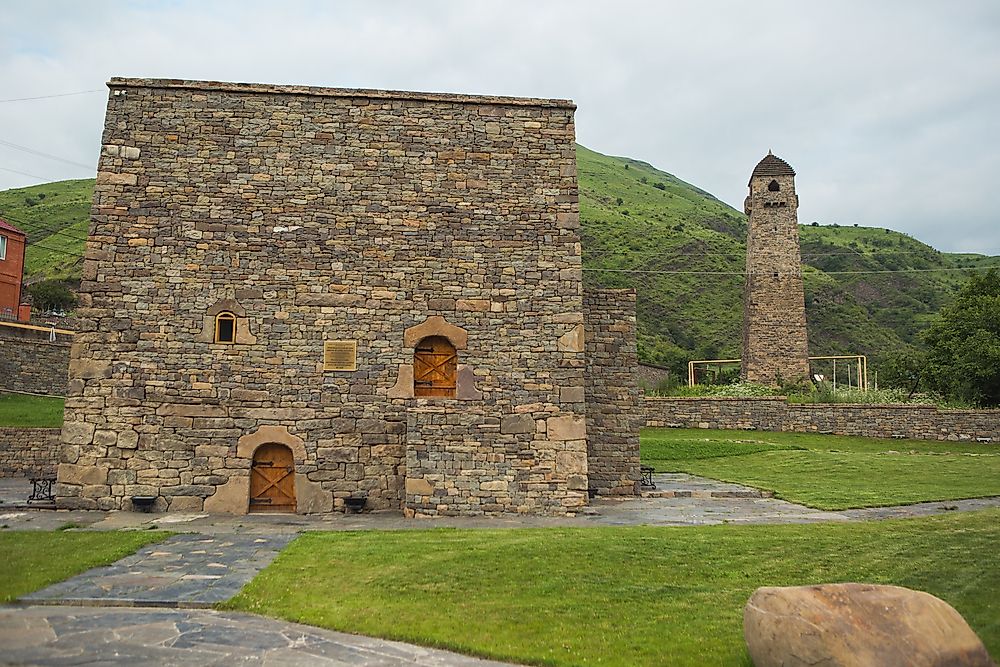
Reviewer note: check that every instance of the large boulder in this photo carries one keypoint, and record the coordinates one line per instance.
(857, 624)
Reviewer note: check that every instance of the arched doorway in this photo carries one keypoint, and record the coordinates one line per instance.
(272, 479)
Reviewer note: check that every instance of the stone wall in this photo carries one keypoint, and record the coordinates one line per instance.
(28, 452)
(923, 422)
(612, 391)
(30, 363)
(651, 377)
(320, 215)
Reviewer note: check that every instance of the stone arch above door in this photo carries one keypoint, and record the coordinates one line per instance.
(246, 445)
(233, 497)
(435, 325)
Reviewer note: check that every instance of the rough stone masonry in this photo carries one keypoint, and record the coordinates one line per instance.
(775, 342)
(266, 263)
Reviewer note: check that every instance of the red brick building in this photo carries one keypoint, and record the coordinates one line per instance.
(12, 242)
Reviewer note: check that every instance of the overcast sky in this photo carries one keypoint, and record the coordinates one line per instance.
(889, 111)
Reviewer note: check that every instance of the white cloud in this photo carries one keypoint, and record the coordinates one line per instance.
(888, 111)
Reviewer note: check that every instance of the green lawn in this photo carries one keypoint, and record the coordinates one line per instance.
(36, 559)
(830, 472)
(612, 596)
(31, 411)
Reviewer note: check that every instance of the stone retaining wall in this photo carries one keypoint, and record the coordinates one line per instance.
(923, 422)
(31, 363)
(28, 452)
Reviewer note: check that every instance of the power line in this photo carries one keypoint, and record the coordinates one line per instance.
(64, 252)
(743, 273)
(32, 151)
(42, 226)
(24, 173)
(48, 97)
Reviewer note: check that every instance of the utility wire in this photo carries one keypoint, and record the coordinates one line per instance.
(41, 225)
(743, 273)
(32, 151)
(23, 173)
(64, 252)
(48, 97)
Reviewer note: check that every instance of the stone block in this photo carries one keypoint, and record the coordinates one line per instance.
(233, 497)
(498, 485)
(517, 423)
(185, 504)
(78, 433)
(571, 394)
(418, 486)
(475, 305)
(571, 463)
(566, 427)
(87, 369)
(572, 340)
(71, 473)
(112, 178)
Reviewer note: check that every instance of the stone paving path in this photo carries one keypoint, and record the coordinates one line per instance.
(189, 571)
(153, 603)
(125, 636)
(683, 485)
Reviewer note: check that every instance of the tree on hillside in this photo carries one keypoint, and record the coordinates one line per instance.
(52, 295)
(963, 357)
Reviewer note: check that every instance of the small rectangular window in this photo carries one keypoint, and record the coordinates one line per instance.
(340, 355)
(225, 328)
(3, 247)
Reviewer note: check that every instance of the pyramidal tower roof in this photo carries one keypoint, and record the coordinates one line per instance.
(772, 165)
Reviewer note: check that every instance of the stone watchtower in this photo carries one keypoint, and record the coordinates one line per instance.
(775, 344)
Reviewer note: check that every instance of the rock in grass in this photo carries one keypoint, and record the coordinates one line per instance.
(857, 625)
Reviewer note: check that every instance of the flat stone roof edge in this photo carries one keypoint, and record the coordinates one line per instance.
(281, 89)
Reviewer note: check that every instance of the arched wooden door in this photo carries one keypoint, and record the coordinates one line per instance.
(435, 362)
(272, 479)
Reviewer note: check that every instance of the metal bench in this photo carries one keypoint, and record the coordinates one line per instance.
(41, 490)
(647, 477)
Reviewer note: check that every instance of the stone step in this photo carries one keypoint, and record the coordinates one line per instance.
(704, 493)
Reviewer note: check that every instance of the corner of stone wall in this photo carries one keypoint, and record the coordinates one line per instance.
(613, 404)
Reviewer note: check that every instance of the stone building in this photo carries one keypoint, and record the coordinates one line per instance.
(294, 296)
(775, 342)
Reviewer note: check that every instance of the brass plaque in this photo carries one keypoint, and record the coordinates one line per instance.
(340, 355)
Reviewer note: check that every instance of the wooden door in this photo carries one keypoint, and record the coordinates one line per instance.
(435, 363)
(272, 479)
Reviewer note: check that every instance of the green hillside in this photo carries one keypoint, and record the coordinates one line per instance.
(684, 251)
(55, 216)
(680, 247)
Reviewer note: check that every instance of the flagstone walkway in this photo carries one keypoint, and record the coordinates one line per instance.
(182, 637)
(186, 571)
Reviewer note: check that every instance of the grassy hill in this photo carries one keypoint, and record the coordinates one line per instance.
(680, 247)
(684, 250)
(55, 216)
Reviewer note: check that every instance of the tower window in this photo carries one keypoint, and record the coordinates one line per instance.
(773, 186)
(225, 327)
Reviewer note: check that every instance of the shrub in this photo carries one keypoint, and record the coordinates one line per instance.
(52, 295)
